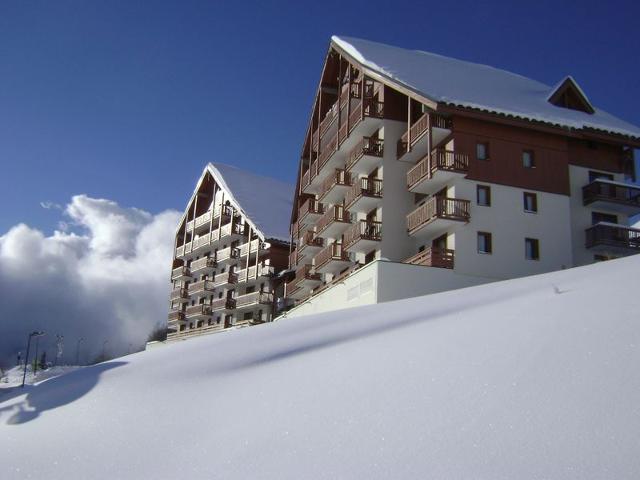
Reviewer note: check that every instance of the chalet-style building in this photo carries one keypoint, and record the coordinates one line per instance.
(422, 173)
(230, 246)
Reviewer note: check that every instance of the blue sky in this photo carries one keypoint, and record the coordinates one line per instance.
(128, 100)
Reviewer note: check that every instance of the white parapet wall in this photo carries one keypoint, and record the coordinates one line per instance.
(384, 281)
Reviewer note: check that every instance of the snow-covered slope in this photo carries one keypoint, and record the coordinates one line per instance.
(531, 378)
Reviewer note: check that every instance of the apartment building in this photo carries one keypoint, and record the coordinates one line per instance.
(230, 247)
(421, 173)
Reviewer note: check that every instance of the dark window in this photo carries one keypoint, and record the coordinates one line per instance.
(484, 242)
(597, 217)
(596, 175)
(482, 151)
(483, 194)
(530, 202)
(532, 249)
(528, 160)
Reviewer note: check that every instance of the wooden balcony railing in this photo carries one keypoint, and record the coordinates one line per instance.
(329, 118)
(438, 208)
(339, 177)
(254, 298)
(306, 180)
(603, 190)
(332, 252)
(363, 230)
(367, 146)
(419, 128)
(176, 315)
(612, 235)
(224, 278)
(180, 272)
(198, 310)
(372, 108)
(441, 159)
(223, 304)
(337, 213)
(231, 228)
(202, 263)
(179, 293)
(314, 169)
(433, 257)
(310, 206)
(249, 247)
(327, 151)
(309, 239)
(203, 286)
(180, 251)
(293, 258)
(363, 187)
(226, 253)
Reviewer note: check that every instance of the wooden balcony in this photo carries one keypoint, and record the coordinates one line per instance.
(363, 236)
(204, 264)
(202, 243)
(223, 304)
(203, 287)
(250, 247)
(327, 151)
(228, 253)
(365, 156)
(429, 176)
(364, 195)
(332, 259)
(253, 299)
(437, 215)
(309, 212)
(366, 109)
(231, 229)
(293, 258)
(614, 196)
(180, 295)
(433, 257)
(309, 245)
(225, 278)
(303, 282)
(181, 273)
(335, 185)
(200, 221)
(610, 237)
(334, 222)
(176, 316)
(198, 311)
(440, 129)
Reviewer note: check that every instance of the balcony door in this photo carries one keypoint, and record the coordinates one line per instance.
(439, 243)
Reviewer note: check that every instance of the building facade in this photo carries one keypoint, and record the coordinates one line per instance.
(422, 160)
(230, 249)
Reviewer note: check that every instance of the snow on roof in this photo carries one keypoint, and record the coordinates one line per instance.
(264, 201)
(528, 378)
(472, 85)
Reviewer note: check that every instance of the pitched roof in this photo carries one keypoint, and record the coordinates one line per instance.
(471, 85)
(264, 202)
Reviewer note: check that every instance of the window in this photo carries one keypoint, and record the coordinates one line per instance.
(530, 202)
(482, 151)
(484, 242)
(528, 160)
(596, 175)
(484, 195)
(532, 249)
(597, 217)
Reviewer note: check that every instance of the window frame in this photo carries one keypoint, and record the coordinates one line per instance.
(486, 151)
(532, 195)
(488, 243)
(532, 158)
(487, 189)
(535, 249)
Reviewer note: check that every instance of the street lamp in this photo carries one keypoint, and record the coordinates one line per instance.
(36, 334)
(81, 339)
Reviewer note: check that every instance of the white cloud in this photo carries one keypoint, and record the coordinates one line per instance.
(106, 281)
(49, 205)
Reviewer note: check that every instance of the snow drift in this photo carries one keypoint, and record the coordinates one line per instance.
(530, 378)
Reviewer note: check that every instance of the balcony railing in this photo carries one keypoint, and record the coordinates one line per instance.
(223, 304)
(180, 272)
(249, 247)
(367, 146)
(363, 230)
(338, 178)
(179, 293)
(435, 208)
(441, 159)
(198, 310)
(349, 88)
(309, 239)
(419, 128)
(293, 258)
(203, 286)
(372, 108)
(337, 213)
(327, 151)
(329, 118)
(231, 228)
(603, 190)
(202, 263)
(612, 235)
(176, 315)
(311, 206)
(224, 278)
(433, 257)
(363, 187)
(331, 252)
(226, 253)
(254, 298)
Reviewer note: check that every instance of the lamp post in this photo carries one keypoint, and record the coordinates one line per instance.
(36, 334)
(80, 340)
